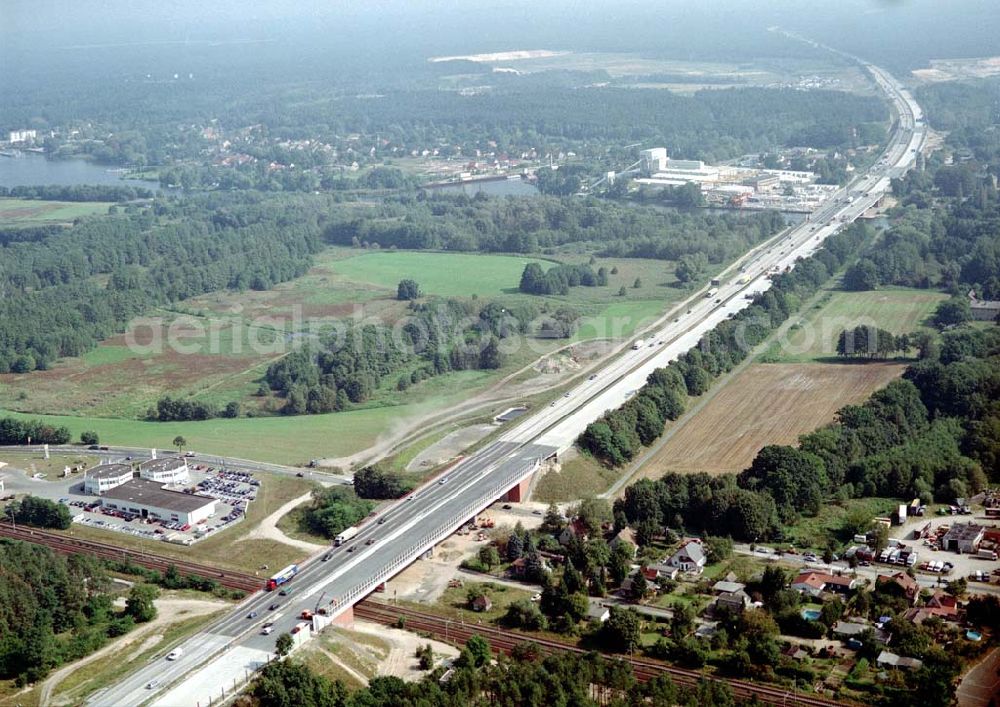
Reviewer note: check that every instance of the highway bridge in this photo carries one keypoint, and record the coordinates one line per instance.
(226, 653)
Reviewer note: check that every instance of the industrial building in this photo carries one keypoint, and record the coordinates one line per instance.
(148, 499)
(728, 186)
(103, 478)
(963, 538)
(170, 470)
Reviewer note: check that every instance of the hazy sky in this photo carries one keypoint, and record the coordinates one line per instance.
(52, 35)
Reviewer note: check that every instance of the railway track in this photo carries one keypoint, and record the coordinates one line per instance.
(451, 631)
(70, 546)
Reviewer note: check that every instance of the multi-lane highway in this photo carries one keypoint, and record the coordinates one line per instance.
(233, 647)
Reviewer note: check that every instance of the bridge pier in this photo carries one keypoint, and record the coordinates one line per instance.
(519, 492)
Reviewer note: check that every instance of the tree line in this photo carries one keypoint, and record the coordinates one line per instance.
(618, 435)
(508, 225)
(931, 435)
(78, 192)
(14, 430)
(526, 676)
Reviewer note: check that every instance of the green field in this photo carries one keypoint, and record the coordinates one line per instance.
(814, 336)
(35, 211)
(281, 440)
(443, 274)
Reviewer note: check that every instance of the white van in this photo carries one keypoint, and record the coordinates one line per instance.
(175, 654)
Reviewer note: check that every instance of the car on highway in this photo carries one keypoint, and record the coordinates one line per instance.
(285, 592)
(370, 541)
(351, 548)
(381, 521)
(442, 481)
(566, 396)
(325, 557)
(152, 684)
(266, 630)
(273, 606)
(252, 615)
(592, 377)
(175, 654)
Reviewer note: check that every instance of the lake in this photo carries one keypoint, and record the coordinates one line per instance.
(32, 169)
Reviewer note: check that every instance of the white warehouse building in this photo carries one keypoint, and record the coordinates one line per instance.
(169, 470)
(148, 499)
(103, 478)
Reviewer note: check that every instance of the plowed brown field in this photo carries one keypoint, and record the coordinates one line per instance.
(765, 404)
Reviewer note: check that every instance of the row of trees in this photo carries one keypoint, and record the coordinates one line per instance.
(78, 192)
(40, 512)
(526, 676)
(480, 223)
(14, 430)
(617, 436)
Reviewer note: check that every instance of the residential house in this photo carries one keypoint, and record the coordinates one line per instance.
(815, 583)
(853, 629)
(795, 652)
(737, 601)
(663, 571)
(651, 576)
(891, 660)
(942, 604)
(598, 612)
(810, 583)
(626, 535)
(899, 582)
(689, 558)
(726, 587)
(575, 527)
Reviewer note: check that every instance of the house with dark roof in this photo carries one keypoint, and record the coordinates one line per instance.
(482, 603)
(891, 660)
(901, 583)
(575, 527)
(625, 535)
(738, 601)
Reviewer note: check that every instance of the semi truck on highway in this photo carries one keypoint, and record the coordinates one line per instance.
(345, 536)
(282, 577)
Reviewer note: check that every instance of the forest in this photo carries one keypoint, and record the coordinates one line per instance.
(56, 609)
(549, 223)
(349, 364)
(68, 289)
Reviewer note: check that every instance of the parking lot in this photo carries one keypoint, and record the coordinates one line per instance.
(233, 491)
